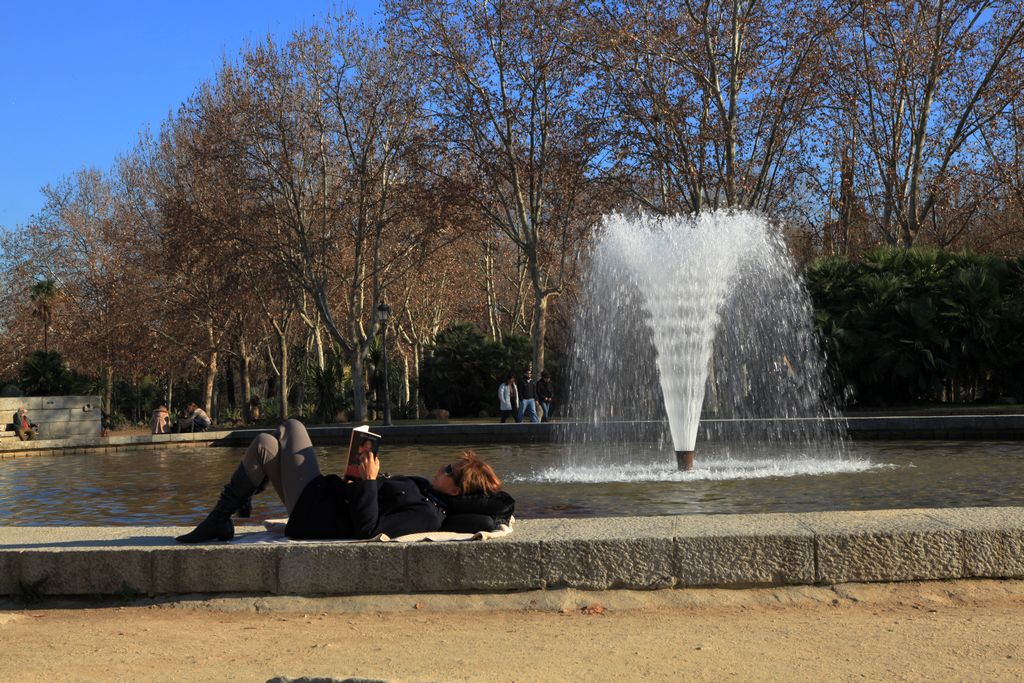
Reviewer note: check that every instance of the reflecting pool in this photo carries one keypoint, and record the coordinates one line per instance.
(178, 486)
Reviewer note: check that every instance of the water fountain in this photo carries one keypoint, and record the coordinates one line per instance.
(708, 309)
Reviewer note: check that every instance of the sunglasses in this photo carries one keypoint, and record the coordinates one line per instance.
(449, 470)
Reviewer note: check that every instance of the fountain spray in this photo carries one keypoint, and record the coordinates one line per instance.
(685, 317)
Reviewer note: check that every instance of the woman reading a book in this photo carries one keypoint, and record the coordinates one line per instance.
(464, 495)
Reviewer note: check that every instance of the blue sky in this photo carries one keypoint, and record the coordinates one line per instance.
(80, 80)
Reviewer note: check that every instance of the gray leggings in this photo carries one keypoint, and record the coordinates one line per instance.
(286, 458)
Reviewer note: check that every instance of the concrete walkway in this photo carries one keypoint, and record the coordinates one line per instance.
(731, 551)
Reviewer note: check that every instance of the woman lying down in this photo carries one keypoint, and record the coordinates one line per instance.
(463, 496)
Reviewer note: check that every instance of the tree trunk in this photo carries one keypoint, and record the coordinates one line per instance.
(244, 381)
(137, 407)
(840, 243)
(358, 384)
(417, 351)
(404, 392)
(540, 328)
(318, 339)
(108, 390)
(492, 299)
(282, 384)
(231, 384)
(908, 231)
(211, 380)
(170, 392)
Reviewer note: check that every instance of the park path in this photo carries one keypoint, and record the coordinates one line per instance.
(934, 631)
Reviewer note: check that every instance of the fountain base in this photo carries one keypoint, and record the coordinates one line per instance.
(684, 459)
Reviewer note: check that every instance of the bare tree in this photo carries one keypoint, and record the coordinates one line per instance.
(204, 212)
(81, 242)
(1004, 146)
(328, 124)
(917, 84)
(711, 100)
(509, 92)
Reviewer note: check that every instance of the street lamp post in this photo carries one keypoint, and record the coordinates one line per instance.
(383, 313)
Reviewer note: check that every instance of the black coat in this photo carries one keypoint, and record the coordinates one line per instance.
(331, 507)
(545, 390)
(477, 512)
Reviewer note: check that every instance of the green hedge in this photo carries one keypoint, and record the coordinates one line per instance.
(464, 369)
(921, 325)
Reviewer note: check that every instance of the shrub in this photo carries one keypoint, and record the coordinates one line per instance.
(464, 368)
(44, 374)
(920, 325)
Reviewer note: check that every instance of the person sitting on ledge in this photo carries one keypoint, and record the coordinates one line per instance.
(23, 427)
(464, 496)
(195, 420)
(160, 422)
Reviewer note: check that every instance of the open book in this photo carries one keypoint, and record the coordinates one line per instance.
(360, 442)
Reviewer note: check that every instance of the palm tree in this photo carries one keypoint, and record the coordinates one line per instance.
(44, 294)
(44, 374)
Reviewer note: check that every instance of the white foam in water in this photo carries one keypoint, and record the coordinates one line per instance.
(685, 318)
(726, 469)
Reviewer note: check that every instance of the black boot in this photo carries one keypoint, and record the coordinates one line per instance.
(245, 509)
(217, 526)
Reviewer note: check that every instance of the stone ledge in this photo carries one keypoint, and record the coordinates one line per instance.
(726, 551)
(894, 427)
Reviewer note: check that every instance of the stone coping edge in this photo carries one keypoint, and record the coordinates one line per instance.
(944, 427)
(724, 551)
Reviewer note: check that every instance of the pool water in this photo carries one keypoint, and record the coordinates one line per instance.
(179, 485)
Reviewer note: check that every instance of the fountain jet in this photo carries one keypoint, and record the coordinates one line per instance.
(691, 315)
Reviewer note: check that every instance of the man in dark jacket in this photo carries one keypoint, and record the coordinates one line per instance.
(545, 394)
(528, 399)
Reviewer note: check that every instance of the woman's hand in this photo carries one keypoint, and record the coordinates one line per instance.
(369, 466)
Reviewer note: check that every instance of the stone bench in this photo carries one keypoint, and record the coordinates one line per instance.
(647, 553)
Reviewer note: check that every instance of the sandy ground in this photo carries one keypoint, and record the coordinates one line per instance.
(936, 631)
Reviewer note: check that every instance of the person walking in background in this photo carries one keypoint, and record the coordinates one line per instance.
(160, 422)
(545, 394)
(528, 399)
(23, 427)
(507, 395)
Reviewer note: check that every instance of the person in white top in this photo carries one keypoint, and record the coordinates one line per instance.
(195, 420)
(508, 397)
